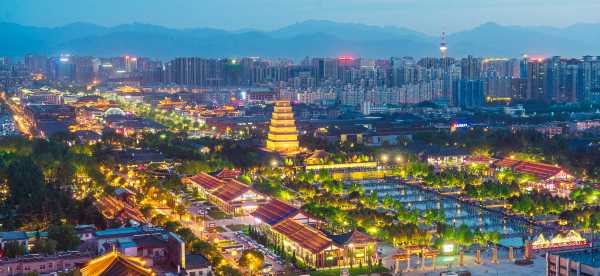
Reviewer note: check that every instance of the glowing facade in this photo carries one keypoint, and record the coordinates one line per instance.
(569, 239)
(283, 135)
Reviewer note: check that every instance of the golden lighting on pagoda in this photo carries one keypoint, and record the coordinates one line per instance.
(283, 135)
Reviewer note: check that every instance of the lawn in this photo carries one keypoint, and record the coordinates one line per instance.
(237, 227)
(217, 214)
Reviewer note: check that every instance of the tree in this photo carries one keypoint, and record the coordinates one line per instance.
(208, 250)
(65, 236)
(227, 270)
(252, 260)
(13, 249)
(26, 184)
(172, 226)
(186, 235)
(47, 247)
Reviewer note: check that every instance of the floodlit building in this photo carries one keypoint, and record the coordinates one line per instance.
(229, 195)
(297, 234)
(283, 135)
(546, 177)
(114, 263)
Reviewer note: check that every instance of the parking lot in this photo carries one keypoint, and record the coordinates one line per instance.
(271, 258)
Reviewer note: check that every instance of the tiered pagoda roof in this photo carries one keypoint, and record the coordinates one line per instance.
(283, 135)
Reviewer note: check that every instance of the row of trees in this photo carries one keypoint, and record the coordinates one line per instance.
(47, 182)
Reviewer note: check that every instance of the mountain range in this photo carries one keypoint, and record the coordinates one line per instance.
(308, 38)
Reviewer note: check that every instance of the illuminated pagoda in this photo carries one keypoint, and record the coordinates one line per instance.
(283, 136)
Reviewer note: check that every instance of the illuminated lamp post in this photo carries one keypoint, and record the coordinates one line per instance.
(384, 158)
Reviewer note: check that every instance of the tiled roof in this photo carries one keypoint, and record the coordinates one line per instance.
(507, 163)
(228, 173)
(231, 190)
(207, 181)
(196, 261)
(538, 169)
(305, 236)
(353, 236)
(150, 241)
(13, 235)
(274, 211)
(112, 208)
(115, 264)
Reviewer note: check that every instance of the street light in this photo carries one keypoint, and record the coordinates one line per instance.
(384, 157)
(398, 158)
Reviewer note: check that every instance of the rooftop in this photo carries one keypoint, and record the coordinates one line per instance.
(196, 261)
(231, 190)
(274, 211)
(228, 173)
(353, 236)
(13, 235)
(127, 231)
(305, 236)
(207, 181)
(113, 263)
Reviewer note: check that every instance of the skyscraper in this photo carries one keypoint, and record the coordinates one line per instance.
(536, 79)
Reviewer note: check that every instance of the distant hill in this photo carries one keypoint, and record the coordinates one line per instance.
(308, 38)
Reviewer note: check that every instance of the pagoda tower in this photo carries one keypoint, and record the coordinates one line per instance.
(283, 136)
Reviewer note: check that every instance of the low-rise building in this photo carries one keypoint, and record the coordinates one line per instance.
(228, 194)
(14, 236)
(197, 265)
(43, 264)
(546, 177)
(297, 234)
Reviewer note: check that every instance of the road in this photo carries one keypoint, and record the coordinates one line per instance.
(21, 121)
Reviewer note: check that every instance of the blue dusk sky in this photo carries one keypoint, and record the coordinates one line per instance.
(429, 16)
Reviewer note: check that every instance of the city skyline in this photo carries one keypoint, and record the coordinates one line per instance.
(430, 17)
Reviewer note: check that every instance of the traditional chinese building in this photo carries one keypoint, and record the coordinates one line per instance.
(357, 247)
(547, 177)
(297, 234)
(236, 198)
(230, 195)
(283, 135)
(114, 263)
(306, 243)
(561, 241)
